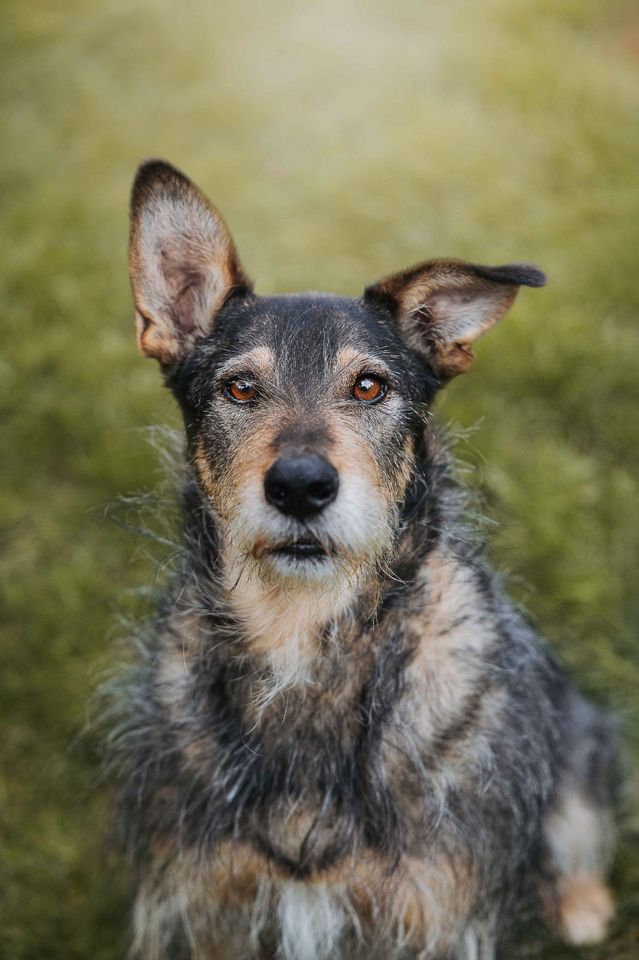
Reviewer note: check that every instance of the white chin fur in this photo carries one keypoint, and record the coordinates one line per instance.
(300, 569)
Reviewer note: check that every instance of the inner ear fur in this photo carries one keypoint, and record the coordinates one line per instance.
(182, 262)
(443, 306)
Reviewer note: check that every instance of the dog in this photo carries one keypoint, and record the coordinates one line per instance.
(341, 739)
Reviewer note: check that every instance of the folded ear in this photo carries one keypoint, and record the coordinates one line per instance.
(182, 262)
(442, 306)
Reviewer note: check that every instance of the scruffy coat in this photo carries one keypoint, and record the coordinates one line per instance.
(370, 754)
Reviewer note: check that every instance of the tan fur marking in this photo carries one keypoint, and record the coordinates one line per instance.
(260, 361)
(204, 472)
(349, 362)
(424, 904)
(431, 900)
(580, 838)
(450, 640)
(585, 910)
(235, 873)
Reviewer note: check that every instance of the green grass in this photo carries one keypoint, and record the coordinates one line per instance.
(342, 140)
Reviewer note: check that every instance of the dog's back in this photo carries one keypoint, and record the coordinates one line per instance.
(343, 740)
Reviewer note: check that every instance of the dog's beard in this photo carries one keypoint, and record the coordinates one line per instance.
(341, 545)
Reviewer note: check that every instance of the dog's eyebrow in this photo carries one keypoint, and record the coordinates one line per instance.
(261, 359)
(352, 359)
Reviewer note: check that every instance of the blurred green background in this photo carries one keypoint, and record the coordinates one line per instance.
(342, 141)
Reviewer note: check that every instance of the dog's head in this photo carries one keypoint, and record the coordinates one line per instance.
(303, 413)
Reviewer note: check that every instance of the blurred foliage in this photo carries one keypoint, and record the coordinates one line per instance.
(342, 140)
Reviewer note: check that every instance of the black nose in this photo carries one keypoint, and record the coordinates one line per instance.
(301, 485)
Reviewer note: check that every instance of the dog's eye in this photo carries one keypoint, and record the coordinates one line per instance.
(369, 388)
(240, 390)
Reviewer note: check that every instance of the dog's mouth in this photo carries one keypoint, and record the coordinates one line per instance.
(305, 548)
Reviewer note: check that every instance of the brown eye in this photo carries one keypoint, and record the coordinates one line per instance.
(369, 388)
(241, 390)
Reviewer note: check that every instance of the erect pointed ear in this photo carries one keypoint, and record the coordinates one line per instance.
(182, 262)
(442, 306)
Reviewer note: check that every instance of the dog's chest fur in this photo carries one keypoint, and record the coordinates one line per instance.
(392, 744)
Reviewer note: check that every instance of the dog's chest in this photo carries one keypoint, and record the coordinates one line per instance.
(312, 792)
(305, 787)
(362, 757)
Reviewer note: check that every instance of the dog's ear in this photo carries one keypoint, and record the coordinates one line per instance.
(182, 262)
(442, 306)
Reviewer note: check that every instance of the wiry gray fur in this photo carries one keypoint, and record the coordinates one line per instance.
(341, 739)
(493, 805)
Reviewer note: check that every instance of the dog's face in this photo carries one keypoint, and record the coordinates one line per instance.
(303, 413)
